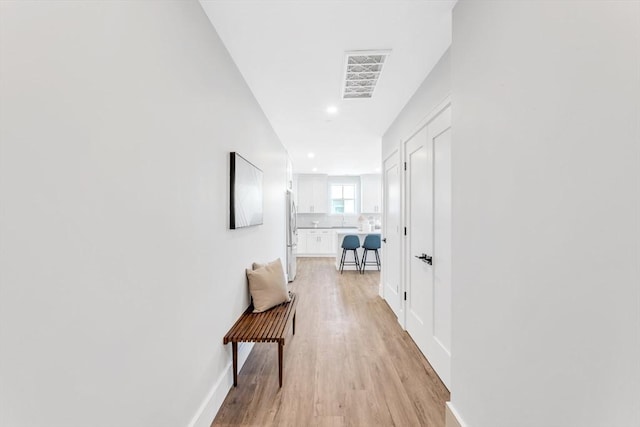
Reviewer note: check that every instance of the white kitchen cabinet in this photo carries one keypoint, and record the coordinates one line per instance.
(371, 193)
(312, 242)
(289, 174)
(303, 237)
(301, 248)
(324, 242)
(313, 195)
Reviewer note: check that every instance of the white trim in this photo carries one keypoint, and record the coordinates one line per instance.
(456, 415)
(403, 225)
(213, 401)
(383, 276)
(428, 118)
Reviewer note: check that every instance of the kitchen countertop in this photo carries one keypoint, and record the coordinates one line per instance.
(328, 228)
(355, 230)
(343, 230)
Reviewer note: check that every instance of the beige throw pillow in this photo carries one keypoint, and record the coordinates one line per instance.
(257, 265)
(267, 285)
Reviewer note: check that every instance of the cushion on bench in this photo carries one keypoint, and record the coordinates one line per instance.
(267, 285)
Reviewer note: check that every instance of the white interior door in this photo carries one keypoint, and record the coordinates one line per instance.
(419, 222)
(428, 242)
(391, 268)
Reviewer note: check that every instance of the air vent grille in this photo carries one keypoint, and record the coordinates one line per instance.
(362, 72)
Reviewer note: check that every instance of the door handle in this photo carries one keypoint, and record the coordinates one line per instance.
(384, 240)
(425, 258)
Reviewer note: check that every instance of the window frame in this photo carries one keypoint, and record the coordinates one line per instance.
(343, 199)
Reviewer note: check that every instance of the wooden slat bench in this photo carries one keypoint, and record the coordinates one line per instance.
(269, 326)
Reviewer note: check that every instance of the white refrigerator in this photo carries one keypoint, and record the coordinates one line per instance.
(292, 236)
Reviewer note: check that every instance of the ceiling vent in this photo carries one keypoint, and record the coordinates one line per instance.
(362, 71)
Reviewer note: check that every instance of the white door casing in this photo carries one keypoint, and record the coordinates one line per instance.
(428, 241)
(392, 243)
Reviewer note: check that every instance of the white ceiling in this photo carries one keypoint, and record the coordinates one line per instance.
(291, 53)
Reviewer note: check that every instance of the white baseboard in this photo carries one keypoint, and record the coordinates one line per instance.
(453, 418)
(213, 401)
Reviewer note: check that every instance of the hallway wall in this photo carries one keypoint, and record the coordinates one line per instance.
(546, 215)
(432, 91)
(119, 275)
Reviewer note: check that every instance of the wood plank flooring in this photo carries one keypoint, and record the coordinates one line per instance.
(349, 364)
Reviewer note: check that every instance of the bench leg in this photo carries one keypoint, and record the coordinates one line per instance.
(280, 348)
(234, 347)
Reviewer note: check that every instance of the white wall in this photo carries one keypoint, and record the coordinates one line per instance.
(432, 92)
(546, 183)
(118, 273)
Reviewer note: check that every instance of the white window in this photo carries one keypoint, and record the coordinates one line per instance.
(343, 198)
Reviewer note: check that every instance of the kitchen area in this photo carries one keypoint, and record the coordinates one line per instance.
(330, 207)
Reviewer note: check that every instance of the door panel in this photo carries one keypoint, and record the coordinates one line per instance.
(442, 239)
(419, 221)
(391, 268)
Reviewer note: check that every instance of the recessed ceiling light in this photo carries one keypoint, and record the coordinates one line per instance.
(378, 169)
(332, 109)
(311, 155)
(314, 170)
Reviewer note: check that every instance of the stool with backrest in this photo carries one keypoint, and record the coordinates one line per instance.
(371, 243)
(350, 243)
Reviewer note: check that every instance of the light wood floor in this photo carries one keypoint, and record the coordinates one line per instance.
(349, 364)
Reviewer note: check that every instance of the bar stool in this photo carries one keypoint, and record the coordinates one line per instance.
(350, 243)
(371, 243)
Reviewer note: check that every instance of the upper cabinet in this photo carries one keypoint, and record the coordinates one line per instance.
(312, 194)
(289, 173)
(371, 193)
